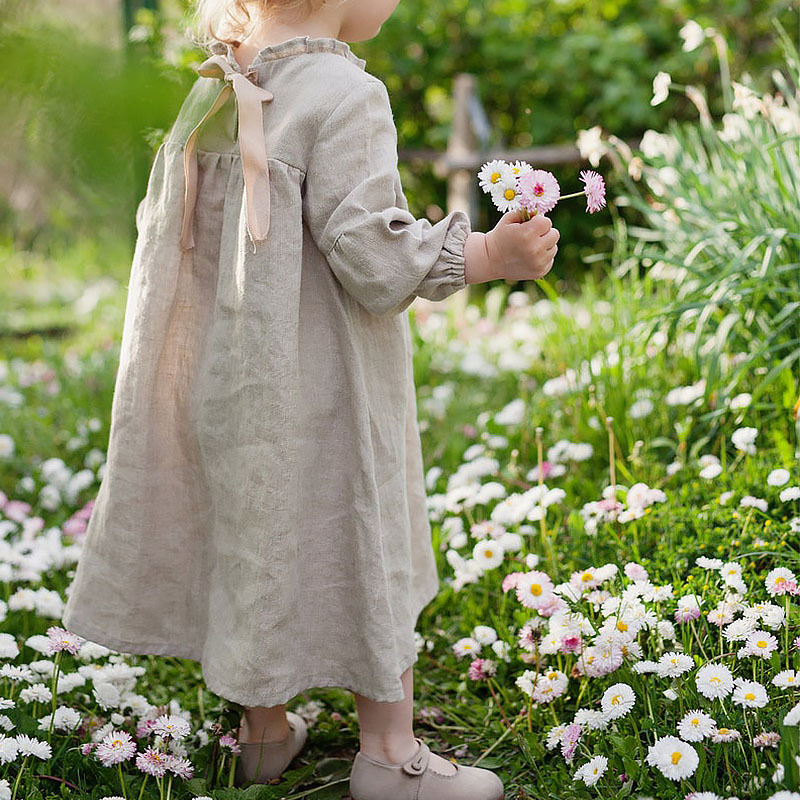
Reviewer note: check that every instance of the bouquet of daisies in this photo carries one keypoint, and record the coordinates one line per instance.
(518, 185)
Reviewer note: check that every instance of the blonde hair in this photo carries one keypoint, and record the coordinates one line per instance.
(233, 20)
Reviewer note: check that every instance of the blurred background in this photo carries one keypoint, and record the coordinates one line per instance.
(91, 87)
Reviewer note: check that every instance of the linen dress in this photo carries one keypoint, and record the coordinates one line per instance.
(263, 506)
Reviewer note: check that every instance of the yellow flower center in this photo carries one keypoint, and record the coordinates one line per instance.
(724, 731)
(509, 194)
(586, 577)
(676, 757)
(616, 699)
(488, 553)
(761, 643)
(536, 589)
(749, 696)
(780, 580)
(495, 177)
(715, 679)
(790, 679)
(552, 676)
(515, 170)
(696, 721)
(621, 626)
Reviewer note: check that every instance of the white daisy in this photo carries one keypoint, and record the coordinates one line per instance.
(760, 643)
(618, 700)
(592, 771)
(786, 679)
(696, 725)
(778, 477)
(505, 194)
(744, 439)
(725, 735)
(535, 589)
(466, 646)
(714, 680)
(171, 725)
(789, 494)
(673, 664)
(708, 563)
(492, 172)
(750, 694)
(29, 745)
(673, 758)
(792, 715)
(488, 553)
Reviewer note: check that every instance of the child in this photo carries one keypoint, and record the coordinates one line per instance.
(263, 508)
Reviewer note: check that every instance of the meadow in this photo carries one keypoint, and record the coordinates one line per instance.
(614, 494)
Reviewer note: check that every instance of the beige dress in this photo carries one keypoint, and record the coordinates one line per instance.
(263, 508)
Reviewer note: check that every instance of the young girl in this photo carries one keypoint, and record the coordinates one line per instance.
(263, 508)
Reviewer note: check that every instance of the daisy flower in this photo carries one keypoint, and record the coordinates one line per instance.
(743, 439)
(595, 190)
(766, 739)
(592, 771)
(115, 747)
(714, 680)
(673, 664)
(493, 172)
(759, 643)
(750, 694)
(618, 700)
(488, 553)
(505, 194)
(521, 168)
(466, 646)
(778, 477)
(792, 493)
(673, 758)
(61, 639)
(725, 735)
(569, 741)
(31, 746)
(153, 762)
(538, 191)
(534, 589)
(696, 725)
(792, 715)
(787, 679)
(171, 725)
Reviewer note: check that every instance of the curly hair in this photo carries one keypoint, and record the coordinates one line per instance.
(233, 20)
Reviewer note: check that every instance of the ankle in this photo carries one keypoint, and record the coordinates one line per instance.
(390, 752)
(263, 733)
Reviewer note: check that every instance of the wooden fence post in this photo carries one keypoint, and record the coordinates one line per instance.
(462, 183)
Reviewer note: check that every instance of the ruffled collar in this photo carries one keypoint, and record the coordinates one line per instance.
(290, 47)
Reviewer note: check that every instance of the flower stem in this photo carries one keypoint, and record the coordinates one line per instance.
(141, 791)
(19, 775)
(121, 781)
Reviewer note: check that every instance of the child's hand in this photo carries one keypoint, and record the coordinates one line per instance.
(513, 249)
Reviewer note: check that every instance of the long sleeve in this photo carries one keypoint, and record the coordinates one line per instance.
(358, 216)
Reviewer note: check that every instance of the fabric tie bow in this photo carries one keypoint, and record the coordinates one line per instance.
(252, 146)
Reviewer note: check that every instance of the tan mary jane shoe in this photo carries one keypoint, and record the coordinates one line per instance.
(259, 762)
(415, 780)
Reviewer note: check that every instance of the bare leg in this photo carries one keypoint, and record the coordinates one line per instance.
(269, 723)
(387, 729)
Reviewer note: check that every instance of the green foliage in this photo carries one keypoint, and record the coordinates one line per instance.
(722, 230)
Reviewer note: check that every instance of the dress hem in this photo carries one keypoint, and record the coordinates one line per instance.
(335, 680)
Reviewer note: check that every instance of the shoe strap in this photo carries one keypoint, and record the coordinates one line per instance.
(418, 763)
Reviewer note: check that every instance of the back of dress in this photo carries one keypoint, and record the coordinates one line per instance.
(263, 506)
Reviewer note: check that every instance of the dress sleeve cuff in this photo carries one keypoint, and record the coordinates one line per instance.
(447, 274)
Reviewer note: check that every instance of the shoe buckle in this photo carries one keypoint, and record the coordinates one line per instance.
(418, 764)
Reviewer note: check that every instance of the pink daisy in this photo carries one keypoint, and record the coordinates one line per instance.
(61, 639)
(153, 762)
(115, 747)
(538, 190)
(595, 190)
(478, 670)
(181, 767)
(226, 740)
